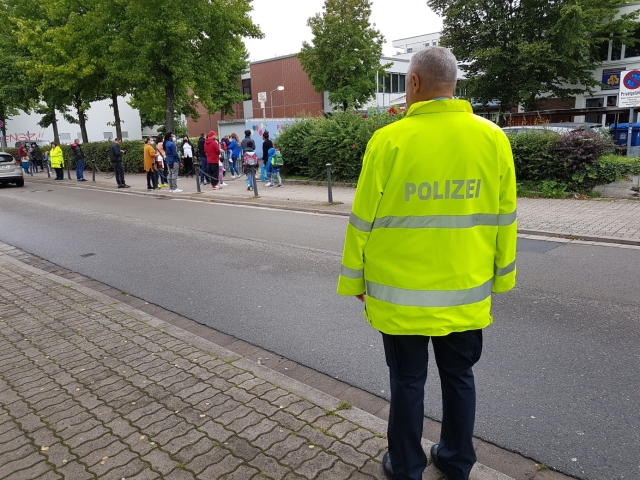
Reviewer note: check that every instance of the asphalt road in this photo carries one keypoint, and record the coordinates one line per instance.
(558, 380)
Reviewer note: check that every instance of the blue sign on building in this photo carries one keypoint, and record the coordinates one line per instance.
(611, 79)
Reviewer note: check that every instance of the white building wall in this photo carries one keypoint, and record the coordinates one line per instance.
(25, 127)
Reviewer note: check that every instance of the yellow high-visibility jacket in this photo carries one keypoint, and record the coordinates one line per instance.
(433, 227)
(56, 157)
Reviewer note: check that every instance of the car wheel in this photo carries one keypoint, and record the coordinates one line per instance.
(20, 183)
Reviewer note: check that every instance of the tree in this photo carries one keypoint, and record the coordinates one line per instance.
(344, 57)
(516, 51)
(182, 52)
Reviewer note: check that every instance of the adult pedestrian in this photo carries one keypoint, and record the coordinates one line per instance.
(78, 155)
(266, 146)
(435, 212)
(149, 159)
(187, 152)
(115, 153)
(233, 164)
(160, 162)
(173, 161)
(212, 150)
(57, 160)
(202, 156)
(235, 151)
(37, 156)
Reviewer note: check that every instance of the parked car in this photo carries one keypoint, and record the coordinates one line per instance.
(10, 170)
(564, 127)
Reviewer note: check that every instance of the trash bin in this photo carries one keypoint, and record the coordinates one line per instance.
(25, 166)
(619, 134)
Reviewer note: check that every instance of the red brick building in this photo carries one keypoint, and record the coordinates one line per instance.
(298, 97)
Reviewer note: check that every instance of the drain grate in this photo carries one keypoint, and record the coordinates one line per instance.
(85, 255)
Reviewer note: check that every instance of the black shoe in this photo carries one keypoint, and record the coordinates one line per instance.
(150, 188)
(434, 457)
(386, 466)
(82, 180)
(124, 185)
(120, 186)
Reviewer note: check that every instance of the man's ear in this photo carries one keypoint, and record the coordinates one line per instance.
(415, 83)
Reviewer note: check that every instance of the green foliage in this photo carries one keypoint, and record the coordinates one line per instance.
(308, 145)
(344, 57)
(515, 51)
(532, 155)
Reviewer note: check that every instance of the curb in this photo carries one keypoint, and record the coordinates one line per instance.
(323, 211)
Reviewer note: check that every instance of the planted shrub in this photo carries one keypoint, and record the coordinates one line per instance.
(580, 151)
(533, 157)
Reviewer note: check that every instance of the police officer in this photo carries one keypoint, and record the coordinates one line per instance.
(432, 234)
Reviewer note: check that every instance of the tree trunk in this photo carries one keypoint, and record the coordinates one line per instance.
(54, 124)
(116, 114)
(170, 101)
(3, 140)
(82, 120)
(344, 106)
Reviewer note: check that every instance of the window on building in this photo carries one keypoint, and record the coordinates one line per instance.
(65, 136)
(79, 137)
(603, 51)
(616, 50)
(107, 135)
(594, 103)
(125, 135)
(434, 43)
(394, 83)
(246, 87)
(633, 50)
(612, 101)
(409, 50)
(403, 83)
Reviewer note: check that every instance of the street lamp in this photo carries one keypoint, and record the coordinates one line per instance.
(279, 88)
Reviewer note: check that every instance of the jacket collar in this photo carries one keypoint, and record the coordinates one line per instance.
(439, 106)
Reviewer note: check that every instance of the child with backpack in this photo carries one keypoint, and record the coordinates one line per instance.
(275, 164)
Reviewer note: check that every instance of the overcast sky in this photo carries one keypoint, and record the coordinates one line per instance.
(284, 24)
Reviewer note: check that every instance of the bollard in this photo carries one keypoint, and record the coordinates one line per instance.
(255, 181)
(197, 170)
(48, 170)
(93, 171)
(68, 171)
(329, 182)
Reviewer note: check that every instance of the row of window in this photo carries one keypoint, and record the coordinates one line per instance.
(392, 83)
(615, 50)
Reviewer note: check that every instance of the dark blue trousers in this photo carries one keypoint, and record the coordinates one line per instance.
(407, 357)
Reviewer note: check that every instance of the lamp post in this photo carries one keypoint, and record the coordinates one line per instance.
(279, 88)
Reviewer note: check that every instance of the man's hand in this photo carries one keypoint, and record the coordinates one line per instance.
(361, 297)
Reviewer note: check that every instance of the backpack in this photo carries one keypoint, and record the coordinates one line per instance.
(276, 160)
(250, 158)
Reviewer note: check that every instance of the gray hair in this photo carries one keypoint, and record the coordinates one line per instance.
(435, 66)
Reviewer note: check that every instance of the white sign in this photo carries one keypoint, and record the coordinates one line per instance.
(262, 97)
(629, 95)
(261, 104)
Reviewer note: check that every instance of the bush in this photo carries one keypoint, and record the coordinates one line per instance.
(580, 151)
(614, 167)
(308, 145)
(533, 158)
(98, 152)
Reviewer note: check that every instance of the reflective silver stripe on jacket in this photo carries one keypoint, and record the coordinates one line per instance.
(351, 273)
(360, 224)
(506, 270)
(429, 298)
(446, 221)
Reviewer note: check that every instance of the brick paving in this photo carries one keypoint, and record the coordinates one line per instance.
(607, 219)
(93, 388)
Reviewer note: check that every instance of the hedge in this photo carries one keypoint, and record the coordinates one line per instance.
(98, 152)
(309, 144)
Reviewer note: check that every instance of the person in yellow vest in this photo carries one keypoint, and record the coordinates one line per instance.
(57, 160)
(432, 234)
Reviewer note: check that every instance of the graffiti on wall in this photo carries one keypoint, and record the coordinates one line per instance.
(25, 137)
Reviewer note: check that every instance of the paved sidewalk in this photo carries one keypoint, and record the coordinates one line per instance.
(600, 220)
(93, 388)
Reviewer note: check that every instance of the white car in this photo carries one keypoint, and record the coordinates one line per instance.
(10, 170)
(564, 127)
